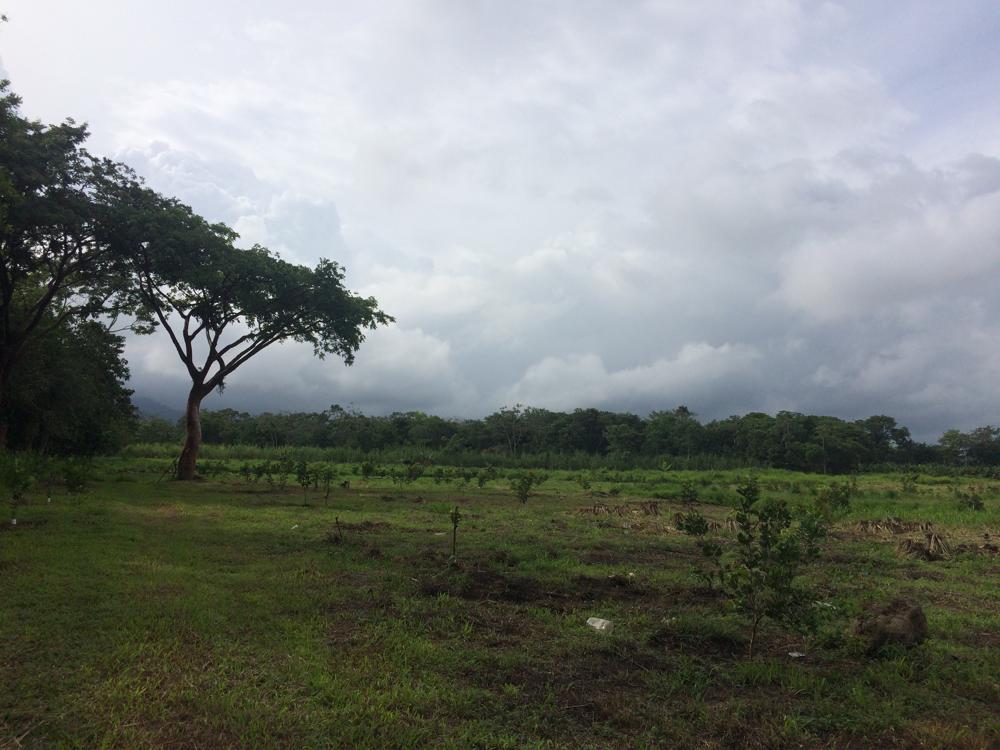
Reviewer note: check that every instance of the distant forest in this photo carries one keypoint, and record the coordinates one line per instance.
(787, 440)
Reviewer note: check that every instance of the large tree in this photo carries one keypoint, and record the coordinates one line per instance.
(57, 261)
(221, 305)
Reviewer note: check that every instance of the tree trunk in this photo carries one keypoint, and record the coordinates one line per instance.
(187, 464)
(4, 377)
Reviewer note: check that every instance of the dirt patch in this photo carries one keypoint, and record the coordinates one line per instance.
(505, 559)
(483, 585)
(486, 584)
(916, 574)
(595, 684)
(495, 624)
(697, 641)
(23, 524)
(371, 553)
(377, 526)
(986, 548)
(164, 591)
(648, 555)
(614, 586)
(351, 624)
(169, 511)
(685, 594)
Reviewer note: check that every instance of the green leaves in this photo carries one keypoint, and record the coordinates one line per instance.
(758, 574)
(523, 484)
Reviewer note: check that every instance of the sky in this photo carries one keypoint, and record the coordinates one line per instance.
(749, 206)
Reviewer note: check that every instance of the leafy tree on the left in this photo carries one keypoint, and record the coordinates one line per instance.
(69, 394)
(58, 262)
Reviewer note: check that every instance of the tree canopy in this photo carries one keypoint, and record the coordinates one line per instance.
(58, 260)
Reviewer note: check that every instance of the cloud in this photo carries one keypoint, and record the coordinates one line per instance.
(564, 383)
(936, 233)
(561, 202)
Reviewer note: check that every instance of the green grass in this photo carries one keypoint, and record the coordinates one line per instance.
(149, 613)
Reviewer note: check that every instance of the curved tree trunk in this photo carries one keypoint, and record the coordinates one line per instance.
(187, 464)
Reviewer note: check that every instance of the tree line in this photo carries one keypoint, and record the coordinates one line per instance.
(787, 440)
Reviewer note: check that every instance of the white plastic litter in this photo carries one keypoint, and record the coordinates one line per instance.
(796, 654)
(295, 527)
(600, 624)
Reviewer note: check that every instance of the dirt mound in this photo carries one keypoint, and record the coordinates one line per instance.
(485, 585)
(614, 586)
(901, 622)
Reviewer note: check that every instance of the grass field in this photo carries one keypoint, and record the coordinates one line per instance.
(147, 613)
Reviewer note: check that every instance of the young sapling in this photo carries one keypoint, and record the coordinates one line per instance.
(455, 517)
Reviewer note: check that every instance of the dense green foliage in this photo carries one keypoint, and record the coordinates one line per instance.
(69, 394)
(587, 437)
(58, 259)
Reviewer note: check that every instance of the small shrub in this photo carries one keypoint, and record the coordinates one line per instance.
(368, 470)
(524, 484)
(970, 501)
(486, 475)
(76, 475)
(16, 477)
(758, 573)
(689, 492)
(304, 477)
(834, 500)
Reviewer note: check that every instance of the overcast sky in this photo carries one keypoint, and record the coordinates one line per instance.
(630, 205)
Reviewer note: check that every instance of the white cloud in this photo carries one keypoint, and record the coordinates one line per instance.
(564, 383)
(555, 199)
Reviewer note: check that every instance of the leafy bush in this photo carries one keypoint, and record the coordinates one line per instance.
(486, 475)
(970, 501)
(76, 474)
(835, 499)
(758, 572)
(523, 484)
(16, 478)
(689, 492)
